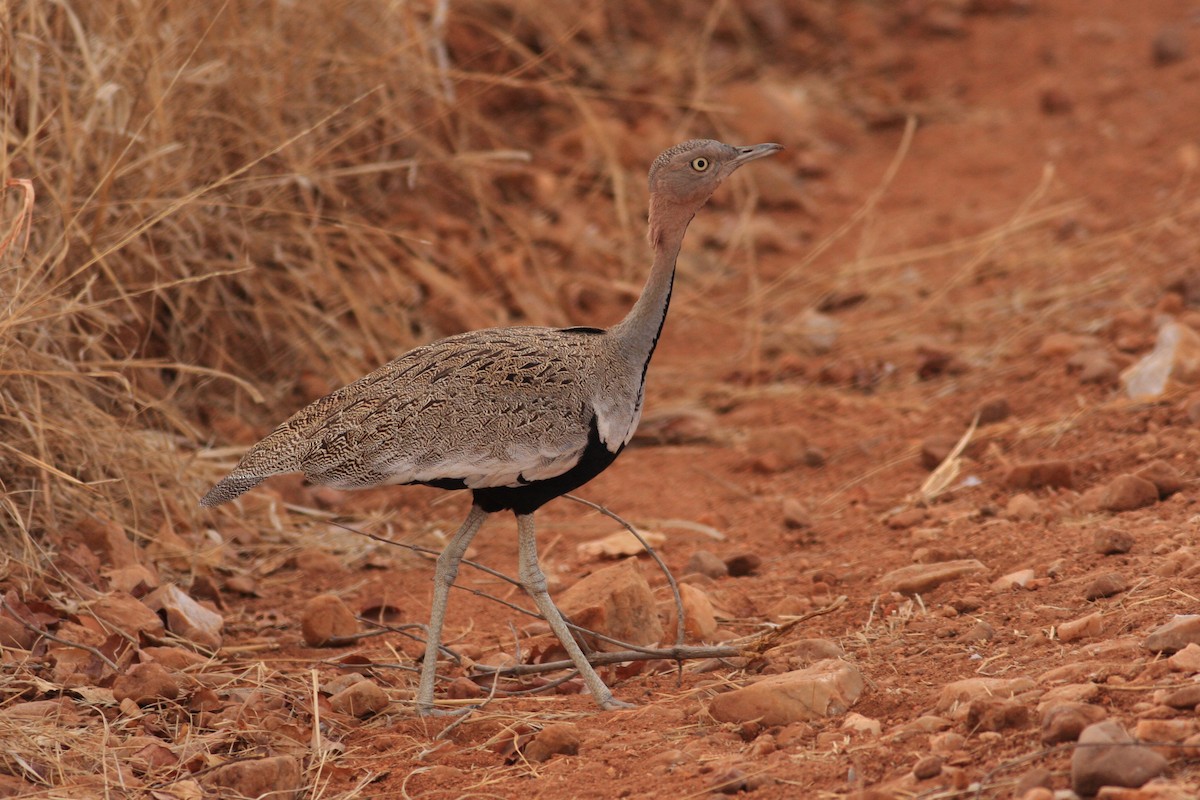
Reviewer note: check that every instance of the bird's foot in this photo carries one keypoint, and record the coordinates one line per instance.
(613, 704)
(433, 711)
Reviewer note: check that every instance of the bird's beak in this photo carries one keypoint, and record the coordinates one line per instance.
(754, 151)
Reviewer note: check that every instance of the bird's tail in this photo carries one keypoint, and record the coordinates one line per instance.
(231, 486)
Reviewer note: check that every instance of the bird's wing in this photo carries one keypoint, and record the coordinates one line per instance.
(497, 407)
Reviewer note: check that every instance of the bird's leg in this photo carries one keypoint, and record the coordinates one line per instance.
(443, 578)
(534, 580)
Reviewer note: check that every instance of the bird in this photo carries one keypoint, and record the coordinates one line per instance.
(516, 415)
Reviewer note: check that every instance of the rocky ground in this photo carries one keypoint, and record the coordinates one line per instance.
(903, 448)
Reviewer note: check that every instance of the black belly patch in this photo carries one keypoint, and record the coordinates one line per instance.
(529, 497)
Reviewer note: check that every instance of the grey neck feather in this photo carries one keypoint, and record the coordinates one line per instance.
(638, 333)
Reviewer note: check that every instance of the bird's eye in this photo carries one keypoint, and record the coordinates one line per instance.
(700, 164)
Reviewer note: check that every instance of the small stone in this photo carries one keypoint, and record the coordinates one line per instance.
(947, 742)
(560, 739)
(1111, 542)
(1164, 476)
(186, 617)
(146, 684)
(1181, 631)
(277, 777)
(814, 457)
(992, 714)
(1064, 722)
(1128, 492)
(703, 562)
(1110, 758)
(920, 578)
(1172, 731)
(906, 518)
(14, 634)
(935, 449)
(993, 410)
(1036, 778)
(699, 617)
(1170, 46)
(928, 767)
(1105, 585)
(616, 601)
(1037, 793)
(1187, 659)
(327, 621)
(315, 561)
(981, 631)
(361, 699)
(743, 564)
(1062, 345)
(1082, 628)
(826, 689)
(1013, 580)
(108, 540)
(960, 693)
(860, 724)
(1040, 475)
(795, 515)
(1094, 365)
(127, 614)
(1022, 506)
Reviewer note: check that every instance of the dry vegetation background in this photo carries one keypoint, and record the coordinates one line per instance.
(213, 213)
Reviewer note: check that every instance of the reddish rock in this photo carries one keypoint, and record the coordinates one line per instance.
(935, 449)
(826, 689)
(1109, 757)
(992, 714)
(278, 777)
(1128, 492)
(1065, 721)
(743, 564)
(127, 614)
(993, 410)
(145, 684)
(1180, 632)
(108, 540)
(703, 562)
(1164, 476)
(1111, 542)
(1081, 628)
(560, 739)
(1040, 474)
(958, 694)
(1187, 659)
(361, 699)
(617, 602)
(1105, 585)
(920, 578)
(327, 621)
(927, 767)
(187, 618)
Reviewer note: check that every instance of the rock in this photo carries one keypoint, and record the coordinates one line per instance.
(1176, 355)
(1164, 476)
(926, 768)
(107, 539)
(920, 578)
(1040, 475)
(703, 562)
(1128, 492)
(1105, 585)
(1170, 46)
(960, 693)
(981, 631)
(1065, 721)
(699, 618)
(1036, 778)
(61, 711)
(1062, 345)
(560, 739)
(1171, 731)
(277, 777)
(1013, 580)
(187, 618)
(795, 515)
(327, 621)
(814, 457)
(315, 561)
(14, 634)
(992, 714)
(743, 564)
(811, 650)
(993, 410)
(935, 449)
(1055, 100)
(1082, 628)
(826, 689)
(176, 659)
(1037, 793)
(1187, 659)
(1022, 506)
(361, 699)
(134, 579)
(620, 544)
(1094, 365)
(146, 684)
(617, 602)
(1070, 693)
(1111, 542)
(127, 614)
(1110, 758)
(860, 724)
(1181, 631)
(906, 518)
(947, 742)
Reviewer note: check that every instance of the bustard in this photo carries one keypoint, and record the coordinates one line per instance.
(517, 415)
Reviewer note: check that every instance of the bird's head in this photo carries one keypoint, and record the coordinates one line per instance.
(683, 177)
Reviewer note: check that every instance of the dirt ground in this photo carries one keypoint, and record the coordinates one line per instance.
(838, 322)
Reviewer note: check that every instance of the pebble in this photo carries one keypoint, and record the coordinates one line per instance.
(1064, 722)
(1174, 731)
(1036, 778)
(993, 410)
(948, 742)
(795, 515)
(277, 777)
(554, 740)
(699, 617)
(906, 518)
(1180, 632)
(960, 693)
(992, 714)
(361, 699)
(743, 564)
(920, 578)
(1187, 659)
(935, 449)
(14, 634)
(1013, 580)
(617, 602)
(1082, 628)
(187, 618)
(860, 724)
(928, 767)
(1055, 100)
(146, 684)
(1039, 475)
(1170, 46)
(1163, 475)
(1112, 542)
(108, 540)
(1094, 365)
(1111, 759)
(1128, 492)
(327, 621)
(1022, 506)
(1105, 585)
(703, 562)
(1037, 793)
(826, 689)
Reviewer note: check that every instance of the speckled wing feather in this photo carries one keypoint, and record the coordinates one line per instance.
(496, 407)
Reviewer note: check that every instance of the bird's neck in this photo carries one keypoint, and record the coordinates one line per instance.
(638, 333)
